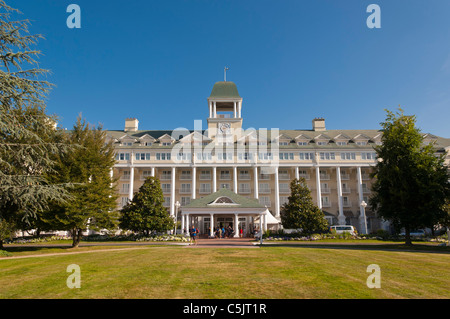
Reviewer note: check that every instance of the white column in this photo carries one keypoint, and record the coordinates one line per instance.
(319, 194)
(362, 215)
(236, 226)
(235, 185)
(182, 224)
(297, 175)
(265, 222)
(130, 193)
(188, 223)
(214, 109)
(277, 194)
(255, 178)
(153, 172)
(211, 223)
(341, 216)
(111, 175)
(235, 110)
(239, 109)
(194, 182)
(172, 193)
(210, 109)
(214, 169)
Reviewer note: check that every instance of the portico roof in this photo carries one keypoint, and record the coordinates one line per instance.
(237, 201)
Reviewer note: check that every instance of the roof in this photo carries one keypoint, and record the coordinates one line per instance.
(239, 201)
(224, 90)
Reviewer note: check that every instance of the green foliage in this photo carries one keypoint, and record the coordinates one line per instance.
(87, 166)
(300, 212)
(411, 187)
(28, 137)
(146, 213)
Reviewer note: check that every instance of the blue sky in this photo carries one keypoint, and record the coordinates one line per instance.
(291, 60)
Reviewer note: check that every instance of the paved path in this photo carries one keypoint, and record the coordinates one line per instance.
(225, 243)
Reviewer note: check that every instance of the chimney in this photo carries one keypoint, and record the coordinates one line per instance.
(319, 124)
(131, 125)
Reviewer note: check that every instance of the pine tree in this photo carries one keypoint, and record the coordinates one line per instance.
(300, 211)
(28, 138)
(93, 199)
(146, 213)
(412, 183)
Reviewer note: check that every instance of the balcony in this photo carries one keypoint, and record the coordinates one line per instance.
(244, 190)
(244, 177)
(346, 203)
(325, 177)
(366, 190)
(325, 190)
(305, 176)
(326, 204)
(346, 190)
(345, 177)
(284, 177)
(365, 177)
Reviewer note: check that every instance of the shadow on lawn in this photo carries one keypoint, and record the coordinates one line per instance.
(415, 248)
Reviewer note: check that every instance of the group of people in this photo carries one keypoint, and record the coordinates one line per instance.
(224, 232)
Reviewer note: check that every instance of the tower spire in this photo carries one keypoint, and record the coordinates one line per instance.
(225, 73)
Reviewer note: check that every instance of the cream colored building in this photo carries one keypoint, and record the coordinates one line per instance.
(254, 163)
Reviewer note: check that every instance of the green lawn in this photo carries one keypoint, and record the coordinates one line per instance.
(267, 272)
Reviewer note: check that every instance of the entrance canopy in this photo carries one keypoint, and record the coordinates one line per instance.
(223, 203)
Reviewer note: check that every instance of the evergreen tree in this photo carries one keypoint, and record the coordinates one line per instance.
(146, 213)
(300, 211)
(28, 138)
(93, 199)
(412, 183)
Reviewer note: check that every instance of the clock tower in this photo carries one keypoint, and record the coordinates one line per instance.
(225, 107)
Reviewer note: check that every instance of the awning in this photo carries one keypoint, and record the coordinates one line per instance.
(270, 219)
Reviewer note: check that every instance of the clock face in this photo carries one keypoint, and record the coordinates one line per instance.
(224, 128)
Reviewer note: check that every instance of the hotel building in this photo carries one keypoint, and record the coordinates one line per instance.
(254, 164)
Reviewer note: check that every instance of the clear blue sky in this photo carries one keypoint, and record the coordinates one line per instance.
(291, 60)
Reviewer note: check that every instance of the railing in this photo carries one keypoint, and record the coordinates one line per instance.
(325, 177)
(325, 190)
(347, 203)
(305, 176)
(283, 177)
(346, 190)
(244, 177)
(345, 177)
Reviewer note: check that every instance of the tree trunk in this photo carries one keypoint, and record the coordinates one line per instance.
(408, 236)
(1, 243)
(76, 238)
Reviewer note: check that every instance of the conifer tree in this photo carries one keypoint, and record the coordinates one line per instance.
(28, 137)
(146, 213)
(93, 199)
(300, 211)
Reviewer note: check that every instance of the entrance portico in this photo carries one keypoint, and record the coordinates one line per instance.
(222, 209)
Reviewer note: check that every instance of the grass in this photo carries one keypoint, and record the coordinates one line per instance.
(267, 272)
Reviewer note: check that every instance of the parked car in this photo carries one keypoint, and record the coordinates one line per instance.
(340, 229)
(415, 233)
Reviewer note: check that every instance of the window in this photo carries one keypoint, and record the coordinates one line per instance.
(284, 200)
(322, 143)
(245, 156)
(283, 175)
(265, 156)
(244, 175)
(146, 174)
(125, 176)
(302, 143)
(284, 188)
(225, 156)
(123, 156)
(185, 188)
(225, 175)
(340, 143)
(166, 175)
(205, 188)
(326, 201)
(205, 175)
(163, 156)
(286, 156)
(244, 188)
(204, 156)
(283, 143)
(303, 174)
(264, 188)
(369, 156)
(327, 156)
(186, 175)
(306, 156)
(348, 156)
(225, 185)
(142, 156)
(361, 143)
(124, 201)
(165, 188)
(125, 188)
(184, 156)
(166, 143)
(166, 202)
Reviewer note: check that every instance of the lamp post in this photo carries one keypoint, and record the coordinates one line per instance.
(177, 206)
(363, 214)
